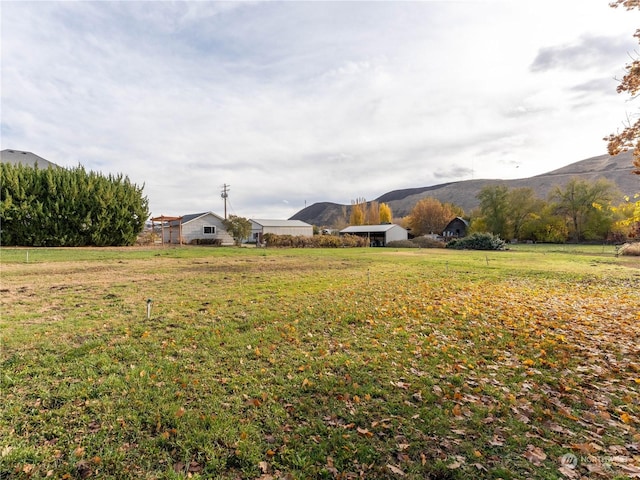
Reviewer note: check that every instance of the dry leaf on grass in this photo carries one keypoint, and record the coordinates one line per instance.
(535, 455)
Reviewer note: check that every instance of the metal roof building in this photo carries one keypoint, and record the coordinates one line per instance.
(378, 235)
(259, 227)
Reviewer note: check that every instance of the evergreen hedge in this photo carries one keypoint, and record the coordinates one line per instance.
(478, 241)
(57, 207)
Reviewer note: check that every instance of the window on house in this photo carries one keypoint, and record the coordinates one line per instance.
(209, 229)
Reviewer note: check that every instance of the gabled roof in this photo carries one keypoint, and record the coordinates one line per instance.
(194, 216)
(15, 157)
(280, 223)
(369, 228)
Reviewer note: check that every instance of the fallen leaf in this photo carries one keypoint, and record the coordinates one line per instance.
(396, 470)
(630, 470)
(568, 472)
(535, 455)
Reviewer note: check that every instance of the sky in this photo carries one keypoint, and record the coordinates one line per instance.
(292, 103)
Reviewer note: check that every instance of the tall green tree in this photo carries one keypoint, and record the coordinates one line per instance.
(580, 202)
(238, 227)
(522, 206)
(68, 207)
(494, 208)
(545, 226)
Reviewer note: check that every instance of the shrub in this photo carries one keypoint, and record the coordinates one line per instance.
(317, 241)
(147, 237)
(478, 241)
(631, 249)
(402, 244)
(206, 241)
(426, 242)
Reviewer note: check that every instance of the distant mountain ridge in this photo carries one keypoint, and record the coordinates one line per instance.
(464, 193)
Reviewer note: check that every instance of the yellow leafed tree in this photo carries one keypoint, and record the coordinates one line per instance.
(373, 213)
(385, 213)
(429, 215)
(357, 215)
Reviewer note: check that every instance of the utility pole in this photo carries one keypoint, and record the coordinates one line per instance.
(225, 195)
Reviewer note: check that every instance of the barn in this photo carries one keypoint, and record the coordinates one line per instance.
(295, 228)
(456, 228)
(378, 235)
(196, 228)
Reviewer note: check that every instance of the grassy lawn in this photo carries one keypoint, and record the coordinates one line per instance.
(297, 364)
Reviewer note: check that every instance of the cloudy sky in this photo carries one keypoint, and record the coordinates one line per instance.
(292, 103)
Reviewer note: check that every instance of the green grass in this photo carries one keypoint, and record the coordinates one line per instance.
(374, 363)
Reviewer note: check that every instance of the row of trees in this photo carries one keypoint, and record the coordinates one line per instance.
(68, 207)
(369, 213)
(579, 211)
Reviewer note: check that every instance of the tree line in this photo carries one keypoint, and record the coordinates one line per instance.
(58, 207)
(578, 211)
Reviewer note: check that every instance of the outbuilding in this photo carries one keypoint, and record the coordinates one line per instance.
(378, 235)
(296, 228)
(456, 228)
(196, 228)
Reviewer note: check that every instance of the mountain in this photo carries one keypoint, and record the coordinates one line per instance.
(617, 169)
(26, 158)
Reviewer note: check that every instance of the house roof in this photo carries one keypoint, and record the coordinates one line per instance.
(194, 216)
(280, 223)
(15, 157)
(369, 228)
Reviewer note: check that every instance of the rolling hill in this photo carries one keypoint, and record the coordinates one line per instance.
(617, 169)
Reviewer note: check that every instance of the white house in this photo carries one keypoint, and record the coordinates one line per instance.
(378, 235)
(202, 228)
(279, 227)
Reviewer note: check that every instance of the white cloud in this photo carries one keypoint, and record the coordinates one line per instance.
(309, 101)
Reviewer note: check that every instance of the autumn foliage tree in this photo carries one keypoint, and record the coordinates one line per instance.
(385, 213)
(358, 208)
(430, 215)
(369, 213)
(629, 138)
(372, 216)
